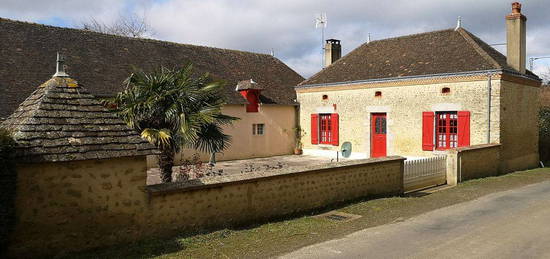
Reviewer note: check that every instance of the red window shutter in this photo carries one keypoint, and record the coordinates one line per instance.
(335, 129)
(428, 131)
(314, 129)
(463, 128)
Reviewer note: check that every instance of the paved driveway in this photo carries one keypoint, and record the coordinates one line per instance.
(511, 224)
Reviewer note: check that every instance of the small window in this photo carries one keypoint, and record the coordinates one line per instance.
(258, 129)
(378, 94)
(325, 97)
(446, 90)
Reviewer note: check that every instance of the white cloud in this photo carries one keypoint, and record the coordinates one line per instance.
(287, 26)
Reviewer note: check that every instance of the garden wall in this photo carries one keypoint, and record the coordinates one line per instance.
(473, 162)
(245, 198)
(72, 206)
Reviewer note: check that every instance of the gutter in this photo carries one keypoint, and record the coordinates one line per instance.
(404, 78)
(489, 86)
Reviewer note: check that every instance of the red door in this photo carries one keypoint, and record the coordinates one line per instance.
(378, 135)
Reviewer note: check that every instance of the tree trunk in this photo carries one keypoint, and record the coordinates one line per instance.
(166, 162)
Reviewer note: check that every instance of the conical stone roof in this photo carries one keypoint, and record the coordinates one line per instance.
(61, 121)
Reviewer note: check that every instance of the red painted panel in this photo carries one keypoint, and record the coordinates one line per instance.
(378, 135)
(252, 96)
(428, 131)
(335, 129)
(463, 128)
(314, 129)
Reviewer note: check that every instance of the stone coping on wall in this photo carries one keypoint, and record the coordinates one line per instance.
(216, 181)
(475, 147)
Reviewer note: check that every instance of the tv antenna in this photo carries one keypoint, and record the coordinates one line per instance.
(321, 22)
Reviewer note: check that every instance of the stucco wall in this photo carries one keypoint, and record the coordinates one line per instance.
(473, 162)
(404, 106)
(278, 139)
(519, 123)
(75, 205)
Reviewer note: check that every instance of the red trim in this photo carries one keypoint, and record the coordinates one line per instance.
(463, 128)
(428, 131)
(314, 129)
(335, 129)
(253, 98)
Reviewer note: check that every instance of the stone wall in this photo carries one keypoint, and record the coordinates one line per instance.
(278, 139)
(75, 205)
(519, 138)
(473, 162)
(404, 104)
(72, 206)
(241, 199)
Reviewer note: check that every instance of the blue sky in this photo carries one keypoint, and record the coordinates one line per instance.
(287, 26)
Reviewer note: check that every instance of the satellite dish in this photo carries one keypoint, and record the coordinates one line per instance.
(346, 149)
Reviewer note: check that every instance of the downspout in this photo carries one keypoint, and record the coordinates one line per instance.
(489, 108)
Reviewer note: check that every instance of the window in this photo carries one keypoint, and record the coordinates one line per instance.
(326, 127)
(325, 97)
(446, 90)
(378, 94)
(446, 133)
(258, 129)
(452, 129)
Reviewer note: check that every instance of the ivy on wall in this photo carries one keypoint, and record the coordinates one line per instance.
(544, 134)
(8, 183)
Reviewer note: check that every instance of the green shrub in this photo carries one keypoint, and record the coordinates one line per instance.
(544, 134)
(8, 183)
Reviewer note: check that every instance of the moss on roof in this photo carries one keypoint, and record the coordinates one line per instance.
(61, 121)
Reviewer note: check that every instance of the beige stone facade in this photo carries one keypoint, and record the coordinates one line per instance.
(279, 121)
(513, 111)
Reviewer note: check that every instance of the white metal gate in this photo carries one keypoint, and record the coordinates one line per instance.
(425, 172)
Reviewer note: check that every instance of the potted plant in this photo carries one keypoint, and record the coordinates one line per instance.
(299, 134)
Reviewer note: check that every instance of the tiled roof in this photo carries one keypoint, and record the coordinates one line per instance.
(437, 52)
(103, 61)
(61, 121)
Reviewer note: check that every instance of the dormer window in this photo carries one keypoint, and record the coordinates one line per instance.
(251, 92)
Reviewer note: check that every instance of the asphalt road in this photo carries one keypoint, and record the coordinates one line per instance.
(511, 224)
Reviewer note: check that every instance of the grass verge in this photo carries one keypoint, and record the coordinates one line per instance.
(267, 240)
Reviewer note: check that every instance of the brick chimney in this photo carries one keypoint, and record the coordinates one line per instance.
(516, 38)
(333, 51)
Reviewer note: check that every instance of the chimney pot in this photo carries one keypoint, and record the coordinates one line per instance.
(516, 8)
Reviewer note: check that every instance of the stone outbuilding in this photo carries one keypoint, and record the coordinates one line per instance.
(73, 156)
(422, 94)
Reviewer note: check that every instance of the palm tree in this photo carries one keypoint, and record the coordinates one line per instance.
(174, 108)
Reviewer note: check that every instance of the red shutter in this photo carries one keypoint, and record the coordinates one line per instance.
(314, 129)
(335, 129)
(463, 128)
(428, 131)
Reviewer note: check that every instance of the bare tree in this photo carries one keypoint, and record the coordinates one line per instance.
(545, 76)
(131, 25)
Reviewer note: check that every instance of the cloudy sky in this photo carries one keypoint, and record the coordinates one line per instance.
(287, 26)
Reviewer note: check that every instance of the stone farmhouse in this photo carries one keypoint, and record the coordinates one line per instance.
(101, 62)
(421, 94)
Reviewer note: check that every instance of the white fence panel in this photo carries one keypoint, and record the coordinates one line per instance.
(425, 172)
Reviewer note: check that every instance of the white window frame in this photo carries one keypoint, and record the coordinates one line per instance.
(258, 129)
